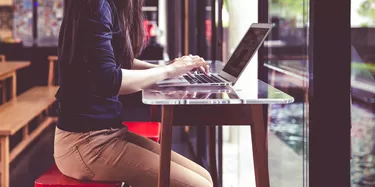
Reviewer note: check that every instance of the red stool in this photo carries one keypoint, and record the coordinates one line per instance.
(150, 130)
(54, 178)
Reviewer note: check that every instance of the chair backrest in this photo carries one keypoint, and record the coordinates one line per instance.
(51, 70)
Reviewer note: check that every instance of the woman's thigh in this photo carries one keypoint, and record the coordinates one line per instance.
(121, 160)
(175, 157)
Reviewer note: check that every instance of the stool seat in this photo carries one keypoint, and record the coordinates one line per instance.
(149, 130)
(54, 178)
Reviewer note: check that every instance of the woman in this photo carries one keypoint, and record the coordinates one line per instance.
(99, 40)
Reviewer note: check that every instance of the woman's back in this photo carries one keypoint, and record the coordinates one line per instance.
(89, 75)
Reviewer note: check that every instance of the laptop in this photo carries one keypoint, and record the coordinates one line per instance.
(236, 64)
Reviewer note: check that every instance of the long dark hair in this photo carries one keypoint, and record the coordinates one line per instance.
(131, 25)
(128, 35)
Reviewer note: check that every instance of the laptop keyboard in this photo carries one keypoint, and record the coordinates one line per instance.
(202, 78)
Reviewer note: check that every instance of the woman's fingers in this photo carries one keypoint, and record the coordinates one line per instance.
(190, 74)
(207, 69)
(186, 64)
(203, 70)
(200, 62)
(202, 66)
(194, 57)
(197, 63)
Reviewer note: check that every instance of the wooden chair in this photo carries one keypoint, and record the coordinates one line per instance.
(16, 116)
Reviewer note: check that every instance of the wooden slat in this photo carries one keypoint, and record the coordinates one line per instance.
(11, 66)
(3, 90)
(18, 112)
(51, 73)
(51, 70)
(22, 145)
(6, 75)
(25, 132)
(13, 86)
(53, 58)
(4, 167)
(2, 58)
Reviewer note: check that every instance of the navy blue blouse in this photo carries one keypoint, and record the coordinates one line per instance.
(89, 75)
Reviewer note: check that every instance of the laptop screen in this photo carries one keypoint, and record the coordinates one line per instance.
(245, 50)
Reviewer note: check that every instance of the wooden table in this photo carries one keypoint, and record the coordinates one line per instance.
(9, 70)
(215, 106)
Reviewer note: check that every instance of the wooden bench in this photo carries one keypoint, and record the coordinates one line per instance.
(16, 117)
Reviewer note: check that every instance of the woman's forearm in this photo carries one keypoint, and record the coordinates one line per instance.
(136, 80)
(142, 65)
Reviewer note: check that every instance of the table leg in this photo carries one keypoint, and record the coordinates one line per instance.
(212, 154)
(166, 146)
(13, 89)
(220, 155)
(260, 152)
(201, 145)
(3, 89)
(4, 140)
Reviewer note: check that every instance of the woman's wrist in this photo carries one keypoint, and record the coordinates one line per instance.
(142, 65)
(168, 71)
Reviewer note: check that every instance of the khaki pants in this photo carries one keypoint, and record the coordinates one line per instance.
(117, 155)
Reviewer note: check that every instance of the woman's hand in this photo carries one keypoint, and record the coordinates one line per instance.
(183, 65)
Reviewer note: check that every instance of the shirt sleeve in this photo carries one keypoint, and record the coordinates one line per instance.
(105, 76)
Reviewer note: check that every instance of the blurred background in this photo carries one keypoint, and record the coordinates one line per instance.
(212, 29)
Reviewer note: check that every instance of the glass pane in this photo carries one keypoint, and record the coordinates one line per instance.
(238, 166)
(287, 66)
(6, 23)
(23, 21)
(50, 13)
(363, 92)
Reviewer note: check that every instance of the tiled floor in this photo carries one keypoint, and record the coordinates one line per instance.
(285, 165)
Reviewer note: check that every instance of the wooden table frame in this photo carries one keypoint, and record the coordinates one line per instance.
(215, 115)
(40, 114)
(12, 75)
